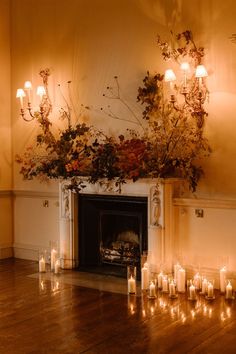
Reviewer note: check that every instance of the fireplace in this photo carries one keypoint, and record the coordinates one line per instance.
(112, 232)
(91, 243)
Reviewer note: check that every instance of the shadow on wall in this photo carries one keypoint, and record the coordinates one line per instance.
(164, 12)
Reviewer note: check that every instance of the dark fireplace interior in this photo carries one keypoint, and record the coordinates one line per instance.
(112, 233)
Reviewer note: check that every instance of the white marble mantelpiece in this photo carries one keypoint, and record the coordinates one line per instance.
(160, 194)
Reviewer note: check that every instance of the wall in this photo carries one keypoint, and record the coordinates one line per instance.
(5, 134)
(89, 42)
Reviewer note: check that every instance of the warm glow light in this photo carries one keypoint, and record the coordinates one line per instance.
(20, 93)
(41, 91)
(169, 75)
(201, 71)
(185, 66)
(28, 85)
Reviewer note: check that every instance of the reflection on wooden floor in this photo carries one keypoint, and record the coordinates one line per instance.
(61, 314)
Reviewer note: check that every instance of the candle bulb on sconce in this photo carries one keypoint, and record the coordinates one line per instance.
(28, 88)
(190, 97)
(200, 73)
(20, 93)
(41, 92)
(170, 77)
(45, 105)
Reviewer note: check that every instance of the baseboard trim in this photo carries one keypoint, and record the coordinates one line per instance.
(6, 251)
(29, 252)
(6, 193)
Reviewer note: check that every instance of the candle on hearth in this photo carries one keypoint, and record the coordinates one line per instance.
(222, 279)
(57, 267)
(131, 285)
(229, 291)
(181, 280)
(53, 258)
(164, 284)
(192, 292)
(159, 280)
(177, 267)
(42, 265)
(172, 288)
(152, 289)
(210, 290)
(204, 286)
(144, 277)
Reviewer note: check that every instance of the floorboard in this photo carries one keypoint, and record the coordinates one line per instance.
(53, 315)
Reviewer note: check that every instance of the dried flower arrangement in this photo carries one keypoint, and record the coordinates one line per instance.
(170, 144)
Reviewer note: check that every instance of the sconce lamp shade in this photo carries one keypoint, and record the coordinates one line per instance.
(28, 85)
(169, 75)
(20, 93)
(201, 71)
(41, 91)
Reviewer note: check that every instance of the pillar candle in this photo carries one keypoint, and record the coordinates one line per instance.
(152, 290)
(159, 280)
(53, 258)
(210, 290)
(192, 292)
(204, 286)
(181, 280)
(229, 291)
(172, 288)
(164, 284)
(222, 279)
(144, 277)
(42, 265)
(57, 266)
(177, 267)
(197, 281)
(131, 285)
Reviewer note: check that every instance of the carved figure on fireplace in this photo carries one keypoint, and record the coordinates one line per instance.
(155, 206)
(65, 202)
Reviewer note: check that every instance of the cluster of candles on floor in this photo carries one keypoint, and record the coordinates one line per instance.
(53, 260)
(176, 283)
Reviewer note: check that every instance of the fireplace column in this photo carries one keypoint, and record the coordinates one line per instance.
(68, 228)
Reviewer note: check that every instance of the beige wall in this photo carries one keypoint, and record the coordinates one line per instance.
(89, 42)
(5, 133)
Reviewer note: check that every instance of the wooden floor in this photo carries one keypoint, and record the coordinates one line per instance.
(52, 317)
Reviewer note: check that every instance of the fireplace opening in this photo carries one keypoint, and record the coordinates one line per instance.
(112, 233)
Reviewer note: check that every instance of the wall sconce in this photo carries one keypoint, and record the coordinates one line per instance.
(193, 90)
(45, 106)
